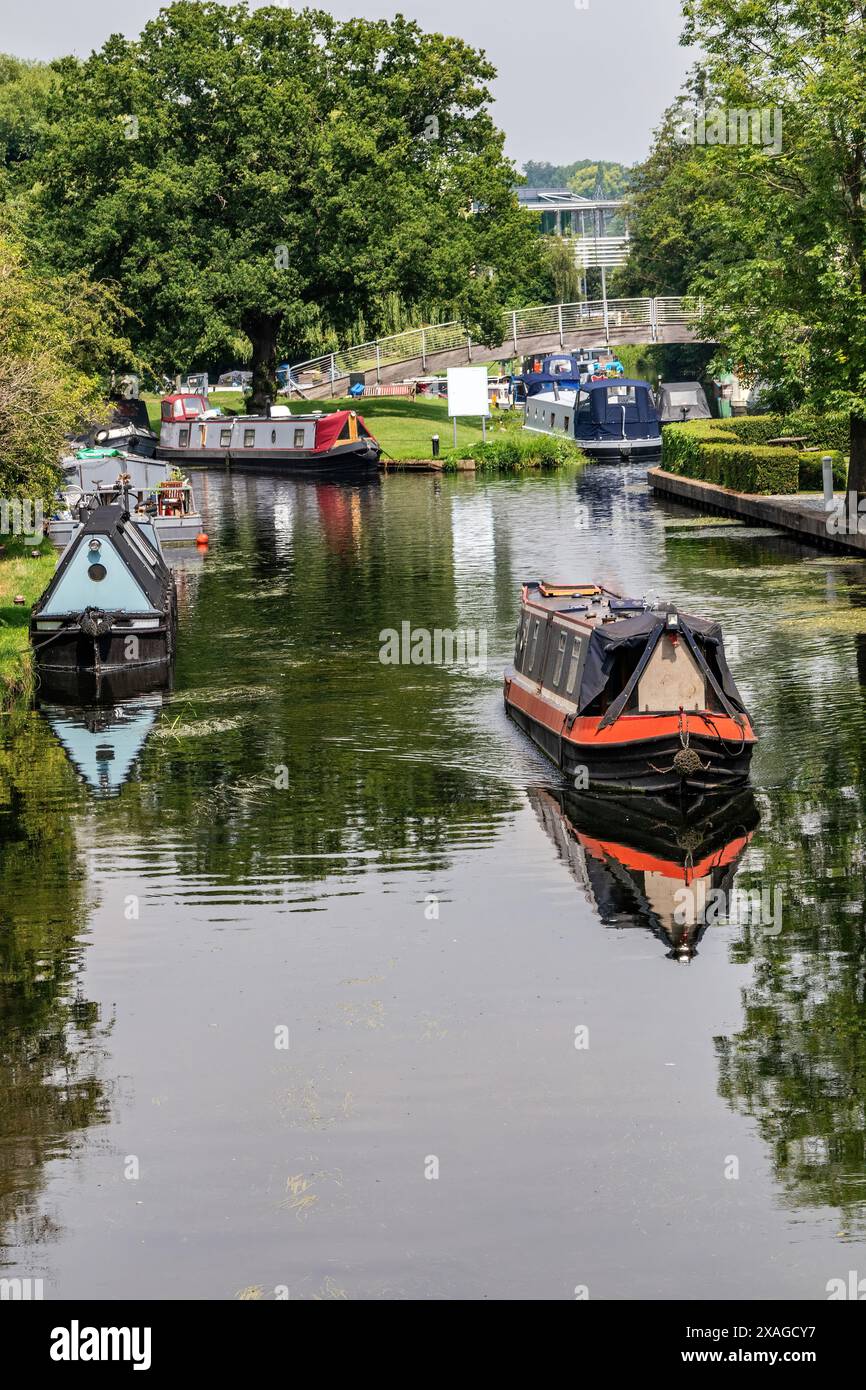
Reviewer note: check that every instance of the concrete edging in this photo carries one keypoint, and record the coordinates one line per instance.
(807, 523)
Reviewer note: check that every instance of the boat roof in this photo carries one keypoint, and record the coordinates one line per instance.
(584, 603)
(114, 522)
(604, 382)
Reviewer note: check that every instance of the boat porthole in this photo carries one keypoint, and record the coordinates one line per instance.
(97, 571)
(273, 436)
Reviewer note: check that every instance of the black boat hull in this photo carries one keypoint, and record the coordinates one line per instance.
(111, 651)
(347, 459)
(644, 766)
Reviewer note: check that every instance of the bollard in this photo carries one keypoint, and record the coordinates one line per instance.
(827, 470)
(435, 446)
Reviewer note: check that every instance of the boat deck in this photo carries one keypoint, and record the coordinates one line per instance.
(590, 605)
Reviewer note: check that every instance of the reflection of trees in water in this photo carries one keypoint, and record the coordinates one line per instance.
(798, 1064)
(49, 1035)
(383, 764)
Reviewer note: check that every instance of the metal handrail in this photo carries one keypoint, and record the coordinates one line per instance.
(550, 319)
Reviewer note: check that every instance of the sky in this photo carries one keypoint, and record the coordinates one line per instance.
(578, 79)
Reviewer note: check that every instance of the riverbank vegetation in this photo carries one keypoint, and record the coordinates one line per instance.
(737, 452)
(753, 197)
(513, 451)
(20, 575)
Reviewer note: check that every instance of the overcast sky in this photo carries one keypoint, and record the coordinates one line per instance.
(574, 83)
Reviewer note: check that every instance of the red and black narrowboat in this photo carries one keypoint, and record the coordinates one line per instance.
(626, 696)
(315, 444)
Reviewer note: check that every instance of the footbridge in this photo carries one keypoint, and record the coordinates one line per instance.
(591, 323)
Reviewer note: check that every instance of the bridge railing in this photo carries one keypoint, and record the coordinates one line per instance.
(548, 320)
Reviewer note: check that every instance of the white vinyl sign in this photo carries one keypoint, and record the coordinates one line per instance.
(467, 391)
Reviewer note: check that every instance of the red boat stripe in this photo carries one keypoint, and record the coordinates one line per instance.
(649, 863)
(629, 728)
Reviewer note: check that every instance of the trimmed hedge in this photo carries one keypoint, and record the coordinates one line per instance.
(512, 452)
(734, 452)
(812, 473)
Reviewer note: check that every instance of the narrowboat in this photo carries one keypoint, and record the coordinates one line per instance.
(624, 696)
(634, 856)
(112, 602)
(94, 477)
(610, 419)
(679, 401)
(315, 443)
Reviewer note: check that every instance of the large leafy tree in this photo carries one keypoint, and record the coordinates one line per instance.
(776, 238)
(255, 179)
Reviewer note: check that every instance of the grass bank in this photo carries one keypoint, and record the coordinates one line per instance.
(20, 574)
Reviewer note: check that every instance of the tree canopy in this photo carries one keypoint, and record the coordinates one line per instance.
(255, 179)
(772, 233)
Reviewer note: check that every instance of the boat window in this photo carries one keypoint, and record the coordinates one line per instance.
(225, 437)
(565, 422)
(178, 409)
(249, 438)
(166, 410)
(533, 644)
(572, 667)
(344, 432)
(273, 436)
(183, 438)
(299, 439)
(560, 657)
(622, 395)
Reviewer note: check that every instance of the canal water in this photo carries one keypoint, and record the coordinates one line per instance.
(314, 984)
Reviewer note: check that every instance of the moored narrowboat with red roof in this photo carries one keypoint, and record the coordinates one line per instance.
(317, 443)
(624, 695)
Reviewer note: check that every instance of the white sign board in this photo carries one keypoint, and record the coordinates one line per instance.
(467, 391)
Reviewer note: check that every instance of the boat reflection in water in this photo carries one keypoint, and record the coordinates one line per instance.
(634, 855)
(103, 721)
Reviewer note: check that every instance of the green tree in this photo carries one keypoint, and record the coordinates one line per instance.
(253, 180)
(59, 335)
(24, 93)
(784, 268)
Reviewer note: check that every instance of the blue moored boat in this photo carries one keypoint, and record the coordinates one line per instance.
(610, 420)
(112, 602)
